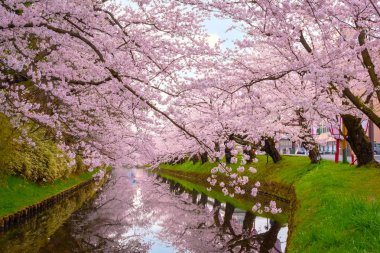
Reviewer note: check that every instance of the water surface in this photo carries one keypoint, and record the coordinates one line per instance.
(142, 212)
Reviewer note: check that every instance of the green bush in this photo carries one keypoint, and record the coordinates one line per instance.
(44, 162)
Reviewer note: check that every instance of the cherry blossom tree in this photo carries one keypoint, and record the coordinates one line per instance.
(331, 44)
(96, 72)
(139, 83)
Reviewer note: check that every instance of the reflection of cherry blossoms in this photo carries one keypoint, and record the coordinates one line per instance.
(228, 229)
(140, 213)
(235, 181)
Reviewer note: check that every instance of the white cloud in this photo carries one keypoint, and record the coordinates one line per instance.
(213, 39)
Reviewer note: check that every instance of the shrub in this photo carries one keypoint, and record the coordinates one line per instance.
(44, 162)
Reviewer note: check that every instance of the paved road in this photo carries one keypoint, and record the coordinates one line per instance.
(332, 157)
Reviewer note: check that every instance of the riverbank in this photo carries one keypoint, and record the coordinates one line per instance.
(33, 232)
(337, 205)
(17, 193)
(243, 202)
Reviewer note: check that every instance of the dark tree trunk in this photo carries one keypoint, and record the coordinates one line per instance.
(359, 141)
(314, 155)
(216, 209)
(171, 186)
(251, 154)
(270, 149)
(180, 190)
(203, 200)
(270, 238)
(228, 155)
(180, 161)
(217, 149)
(248, 221)
(308, 140)
(204, 157)
(194, 196)
(195, 159)
(229, 211)
(241, 140)
(173, 161)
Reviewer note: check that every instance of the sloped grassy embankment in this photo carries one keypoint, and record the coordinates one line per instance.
(336, 206)
(30, 174)
(17, 193)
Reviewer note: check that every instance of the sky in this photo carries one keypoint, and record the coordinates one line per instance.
(217, 28)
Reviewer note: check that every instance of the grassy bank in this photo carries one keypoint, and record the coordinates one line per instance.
(243, 202)
(17, 193)
(338, 206)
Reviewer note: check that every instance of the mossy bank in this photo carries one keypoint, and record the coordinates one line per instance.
(17, 193)
(32, 166)
(337, 205)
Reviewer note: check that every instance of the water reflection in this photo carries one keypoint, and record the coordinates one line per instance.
(137, 212)
(36, 232)
(233, 230)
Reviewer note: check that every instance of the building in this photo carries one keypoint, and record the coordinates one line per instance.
(285, 146)
(325, 137)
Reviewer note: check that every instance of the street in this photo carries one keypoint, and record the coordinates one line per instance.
(332, 157)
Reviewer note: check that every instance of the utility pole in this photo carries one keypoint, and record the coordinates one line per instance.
(344, 146)
(337, 141)
(337, 150)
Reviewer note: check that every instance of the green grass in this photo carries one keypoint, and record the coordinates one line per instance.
(338, 205)
(17, 193)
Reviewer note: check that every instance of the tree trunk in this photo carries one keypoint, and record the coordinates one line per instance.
(270, 239)
(180, 161)
(171, 185)
(194, 196)
(228, 213)
(359, 141)
(203, 200)
(228, 155)
(217, 149)
(270, 149)
(204, 157)
(180, 190)
(251, 154)
(174, 161)
(248, 221)
(195, 159)
(308, 141)
(216, 209)
(314, 154)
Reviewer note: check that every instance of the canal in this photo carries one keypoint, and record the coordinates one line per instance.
(138, 211)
